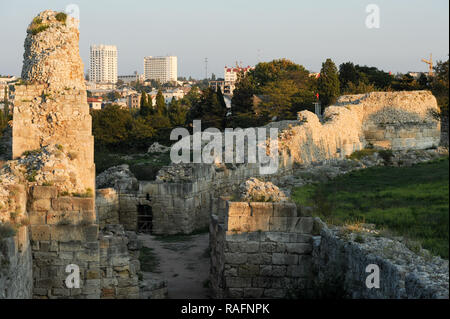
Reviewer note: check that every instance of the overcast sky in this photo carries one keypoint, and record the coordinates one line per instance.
(250, 31)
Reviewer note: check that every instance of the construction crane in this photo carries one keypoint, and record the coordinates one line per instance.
(430, 64)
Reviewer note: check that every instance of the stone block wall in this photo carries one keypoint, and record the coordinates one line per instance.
(340, 270)
(186, 206)
(16, 279)
(119, 264)
(107, 206)
(63, 232)
(261, 250)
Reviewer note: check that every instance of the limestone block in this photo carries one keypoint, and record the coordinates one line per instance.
(62, 204)
(235, 258)
(83, 204)
(282, 209)
(298, 248)
(40, 232)
(238, 282)
(248, 270)
(238, 209)
(40, 205)
(253, 292)
(37, 218)
(44, 192)
(274, 293)
(284, 259)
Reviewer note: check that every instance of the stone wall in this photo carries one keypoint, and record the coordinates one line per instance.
(16, 279)
(261, 250)
(270, 250)
(63, 232)
(340, 269)
(107, 206)
(183, 195)
(119, 264)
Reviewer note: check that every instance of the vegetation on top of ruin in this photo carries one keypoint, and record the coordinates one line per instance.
(61, 17)
(411, 202)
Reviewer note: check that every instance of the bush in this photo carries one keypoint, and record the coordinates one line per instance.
(361, 154)
(61, 17)
(35, 29)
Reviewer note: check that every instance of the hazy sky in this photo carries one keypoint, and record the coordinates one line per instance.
(250, 31)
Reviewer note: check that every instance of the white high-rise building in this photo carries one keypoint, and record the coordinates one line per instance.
(103, 64)
(163, 69)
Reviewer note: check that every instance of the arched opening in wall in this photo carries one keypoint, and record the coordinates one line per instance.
(145, 219)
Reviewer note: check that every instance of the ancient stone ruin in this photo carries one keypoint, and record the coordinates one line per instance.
(261, 244)
(49, 186)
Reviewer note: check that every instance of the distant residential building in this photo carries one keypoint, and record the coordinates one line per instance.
(178, 94)
(163, 69)
(134, 101)
(103, 64)
(231, 76)
(128, 79)
(95, 103)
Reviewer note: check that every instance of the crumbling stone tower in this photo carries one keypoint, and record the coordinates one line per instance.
(51, 119)
(51, 107)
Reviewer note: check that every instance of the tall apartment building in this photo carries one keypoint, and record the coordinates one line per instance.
(163, 69)
(103, 64)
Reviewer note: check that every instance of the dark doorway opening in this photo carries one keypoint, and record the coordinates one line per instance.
(145, 219)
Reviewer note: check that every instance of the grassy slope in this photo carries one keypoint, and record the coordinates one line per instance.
(408, 201)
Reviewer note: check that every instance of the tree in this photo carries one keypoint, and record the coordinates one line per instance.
(146, 107)
(440, 86)
(277, 99)
(329, 87)
(177, 113)
(347, 75)
(160, 104)
(208, 109)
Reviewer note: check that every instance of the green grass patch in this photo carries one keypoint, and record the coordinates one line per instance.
(149, 260)
(408, 201)
(144, 166)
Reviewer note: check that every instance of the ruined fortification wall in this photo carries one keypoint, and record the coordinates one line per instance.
(261, 250)
(16, 280)
(340, 269)
(272, 250)
(182, 196)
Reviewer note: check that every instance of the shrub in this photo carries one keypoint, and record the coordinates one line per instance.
(61, 17)
(36, 29)
(361, 154)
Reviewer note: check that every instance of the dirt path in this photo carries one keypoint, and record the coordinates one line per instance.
(183, 262)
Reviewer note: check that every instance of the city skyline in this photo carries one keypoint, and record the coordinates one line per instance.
(249, 32)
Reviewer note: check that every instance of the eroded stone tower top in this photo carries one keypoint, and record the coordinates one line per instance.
(52, 54)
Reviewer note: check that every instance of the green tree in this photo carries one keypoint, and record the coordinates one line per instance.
(277, 99)
(329, 88)
(160, 104)
(146, 107)
(177, 113)
(347, 75)
(440, 86)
